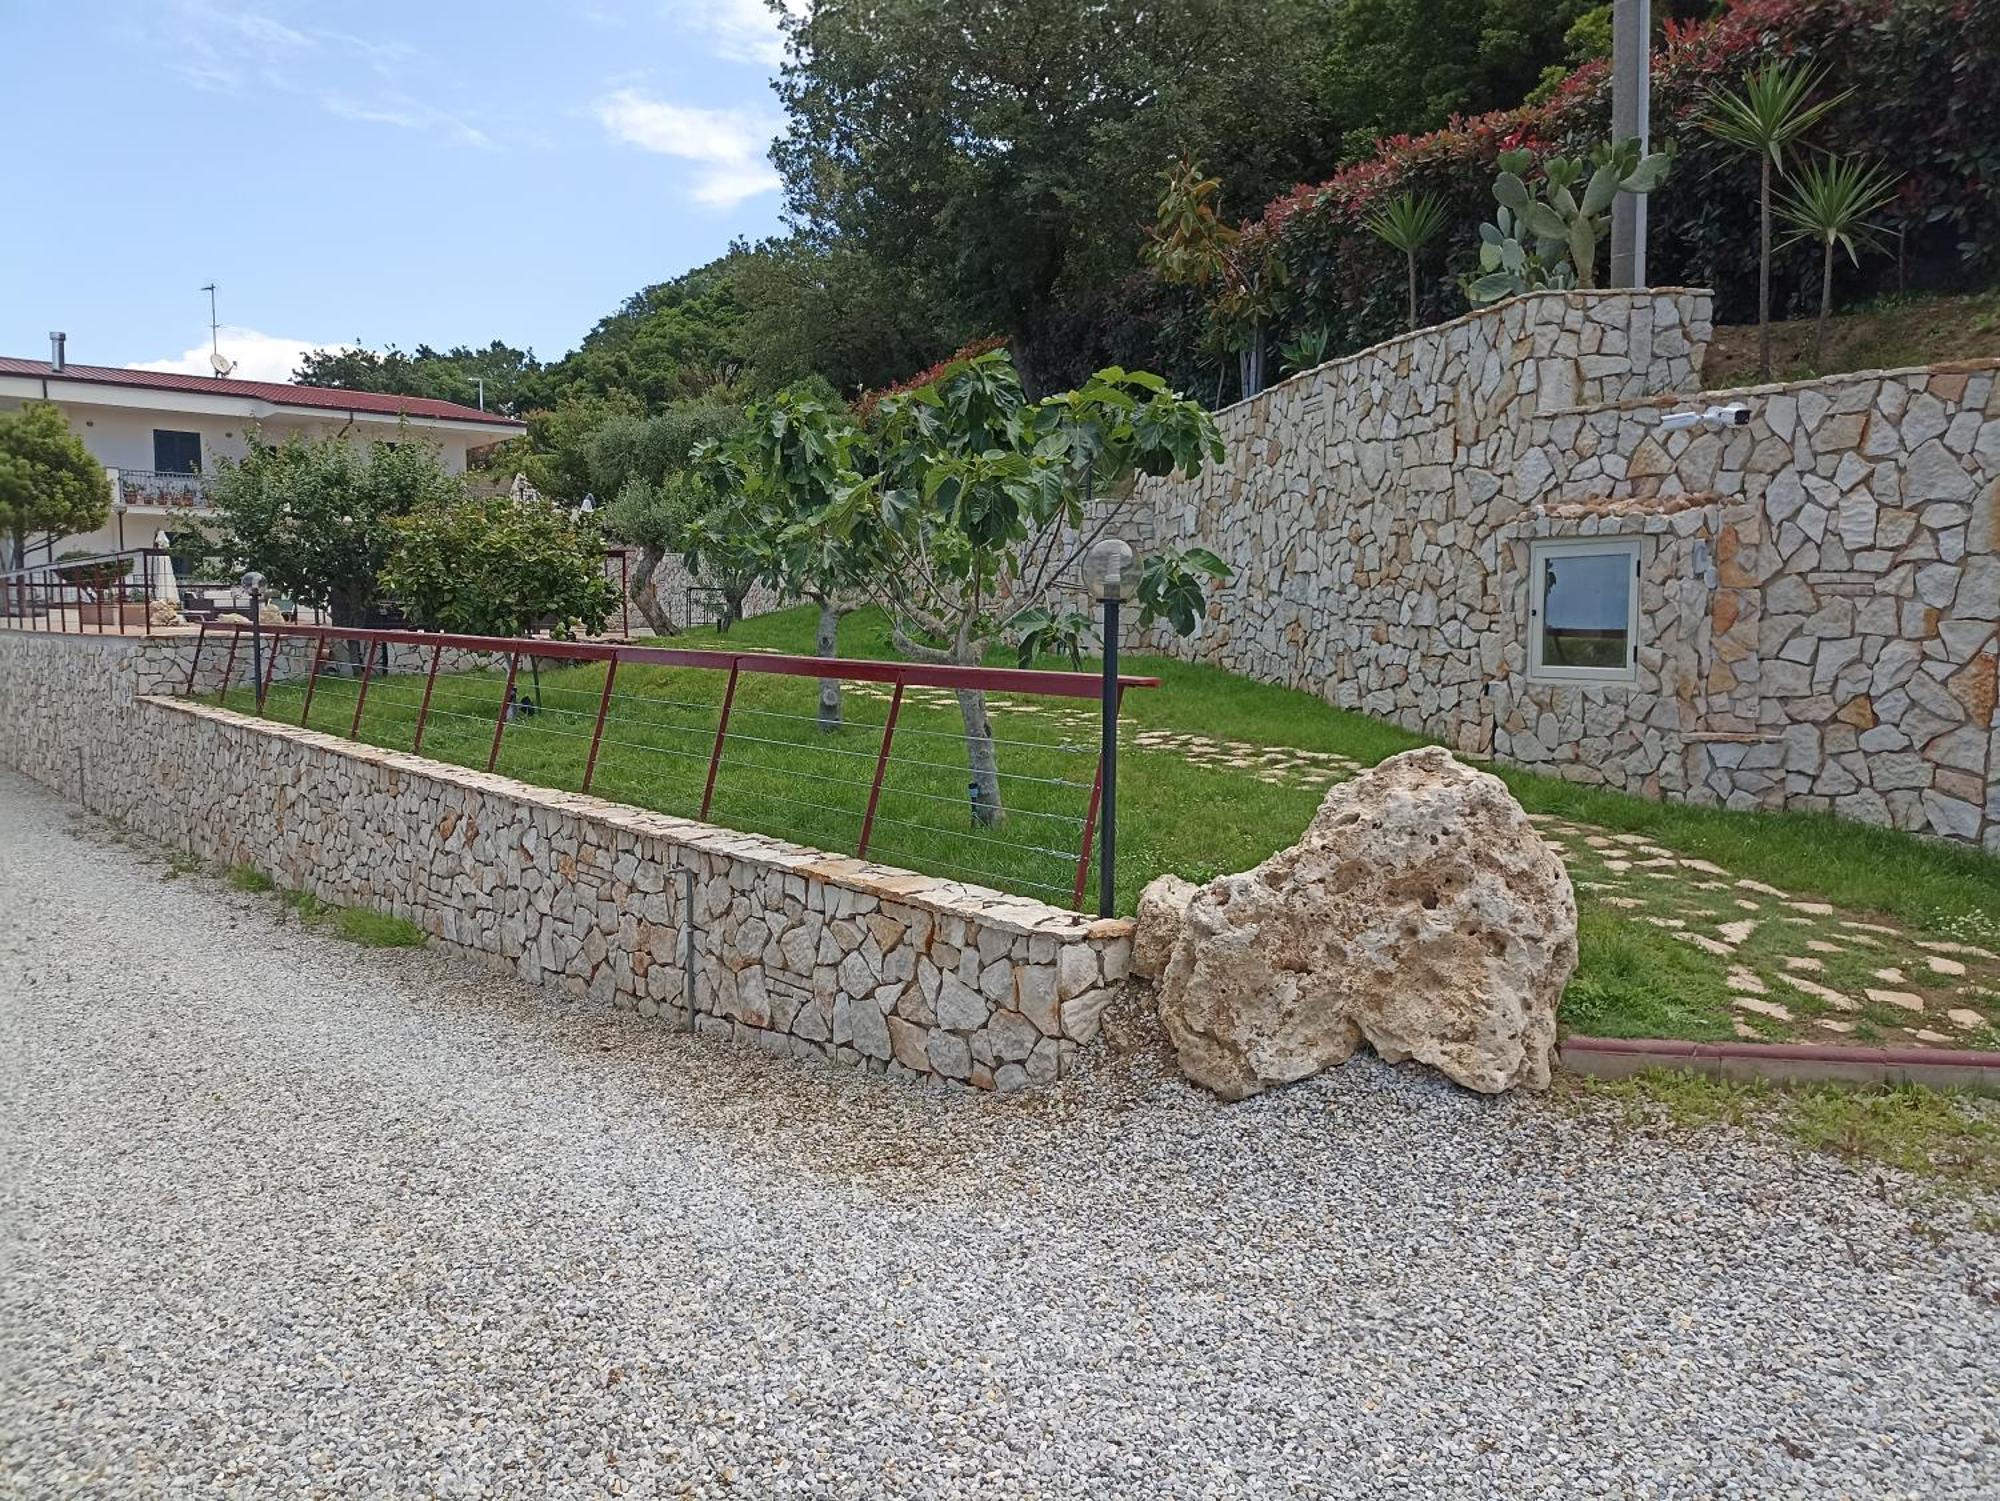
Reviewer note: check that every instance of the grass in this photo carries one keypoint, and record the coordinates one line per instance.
(249, 878)
(1196, 817)
(1951, 1139)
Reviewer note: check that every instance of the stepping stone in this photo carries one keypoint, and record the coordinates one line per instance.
(1829, 1024)
(1942, 966)
(1801, 962)
(1869, 927)
(1908, 1000)
(1744, 1029)
(1821, 946)
(1618, 867)
(1892, 976)
(1966, 1017)
(1631, 839)
(1706, 867)
(1663, 922)
(1706, 944)
(1812, 909)
(1776, 1010)
(1621, 901)
(1939, 946)
(1738, 931)
(1746, 980)
(1925, 1034)
(1749, 885)
(1711, 885)
(1821, 992)
(1598, 843)
(1743, 902)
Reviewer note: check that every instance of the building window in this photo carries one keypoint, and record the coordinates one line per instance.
(1583, 610)
(176, 453)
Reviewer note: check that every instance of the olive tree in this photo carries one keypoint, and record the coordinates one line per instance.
(640, 465)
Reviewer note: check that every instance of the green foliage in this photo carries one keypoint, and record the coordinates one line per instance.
(49, 483)
(1772, 111)
(495, 566)
(317, 516)
(97, 576)
(1565, 228)
(1833, 201)
(1409, 222)
(249, 878)
(513, 379)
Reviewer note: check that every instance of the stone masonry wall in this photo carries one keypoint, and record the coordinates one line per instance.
(797, 951)
(1817, 589)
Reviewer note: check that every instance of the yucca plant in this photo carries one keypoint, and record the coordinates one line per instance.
(1409, 222)
(1774, 110)
(1831, 203)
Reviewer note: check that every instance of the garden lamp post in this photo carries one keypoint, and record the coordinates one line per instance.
(254, 583)
(1109, 577)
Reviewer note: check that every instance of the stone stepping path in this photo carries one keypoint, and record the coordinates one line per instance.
(1792, 968)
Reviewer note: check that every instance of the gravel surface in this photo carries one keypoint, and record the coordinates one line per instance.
(281, 1217)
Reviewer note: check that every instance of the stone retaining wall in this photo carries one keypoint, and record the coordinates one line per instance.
(797, 951)
(1819, 590)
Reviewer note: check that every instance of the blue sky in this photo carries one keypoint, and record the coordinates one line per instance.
(435, 173)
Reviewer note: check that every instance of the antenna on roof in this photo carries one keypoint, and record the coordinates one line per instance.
(217, 361)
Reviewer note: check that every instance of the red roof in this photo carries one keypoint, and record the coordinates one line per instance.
(279, 394)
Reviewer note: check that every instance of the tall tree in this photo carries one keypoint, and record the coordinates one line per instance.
(642, 466)
(1004, 151)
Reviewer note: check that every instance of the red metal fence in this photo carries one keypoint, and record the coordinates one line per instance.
(421, 680)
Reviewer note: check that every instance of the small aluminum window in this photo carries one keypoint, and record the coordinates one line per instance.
(1583, 610)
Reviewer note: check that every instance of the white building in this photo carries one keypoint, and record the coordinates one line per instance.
(159, 434)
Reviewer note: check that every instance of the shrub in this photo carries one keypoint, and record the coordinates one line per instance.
(496, 566)
(1920, 71)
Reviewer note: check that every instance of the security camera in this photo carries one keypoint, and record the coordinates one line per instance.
(1734, 415)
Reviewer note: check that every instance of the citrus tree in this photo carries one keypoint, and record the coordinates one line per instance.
(496, 566)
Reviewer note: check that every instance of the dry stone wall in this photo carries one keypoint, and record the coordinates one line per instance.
(786, 948)
(1819, 589)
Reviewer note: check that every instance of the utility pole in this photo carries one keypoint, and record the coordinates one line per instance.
(1631, 115)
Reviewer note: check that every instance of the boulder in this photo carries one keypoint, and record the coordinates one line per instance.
(1421, 912)
(1162, 912)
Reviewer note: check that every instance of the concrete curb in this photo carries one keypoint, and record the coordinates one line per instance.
(1785, 1063)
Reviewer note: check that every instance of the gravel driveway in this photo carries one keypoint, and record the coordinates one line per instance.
(280, 1217)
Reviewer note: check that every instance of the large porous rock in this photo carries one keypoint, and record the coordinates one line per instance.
(1421, 913)
(1157, 931)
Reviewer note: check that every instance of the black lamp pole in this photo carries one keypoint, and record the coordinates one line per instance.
(254, 583)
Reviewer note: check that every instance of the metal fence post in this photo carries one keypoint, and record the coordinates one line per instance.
(229, 667)
(1107, 760)
(424, 709)
(361, 698)
(312, 680)
(721, 729)
(597, 733)
(881, 765)
(506, 703)
(194, 662)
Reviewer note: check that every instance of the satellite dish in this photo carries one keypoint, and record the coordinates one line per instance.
(221, 363)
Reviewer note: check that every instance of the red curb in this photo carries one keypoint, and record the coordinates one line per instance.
(1797, 1062)
(1800, 1052)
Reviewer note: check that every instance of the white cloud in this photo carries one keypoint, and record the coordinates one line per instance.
(728, 143)
(258, 356)
(743, 30)
(405, 115)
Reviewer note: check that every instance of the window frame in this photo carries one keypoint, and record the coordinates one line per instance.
(1543, 549)
(177, 432)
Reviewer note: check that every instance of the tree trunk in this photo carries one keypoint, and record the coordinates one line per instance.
(1764, 271)
(1825, 308)
(733, 596)
(984, 788)
(826, 643)
(1413, 290)
(645, 593)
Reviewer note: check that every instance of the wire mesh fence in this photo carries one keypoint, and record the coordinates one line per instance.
(738, 739)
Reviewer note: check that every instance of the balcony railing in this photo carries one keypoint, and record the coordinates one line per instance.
(153, 487)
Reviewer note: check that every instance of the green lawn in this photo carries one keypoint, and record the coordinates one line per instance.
(1222, 802)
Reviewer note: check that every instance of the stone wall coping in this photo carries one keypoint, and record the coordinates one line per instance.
(1577, 297)
(1780, 388)
(995, 909)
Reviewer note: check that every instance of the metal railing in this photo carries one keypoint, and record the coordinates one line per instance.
(732, 736)
(158, 487)
(106, 594)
